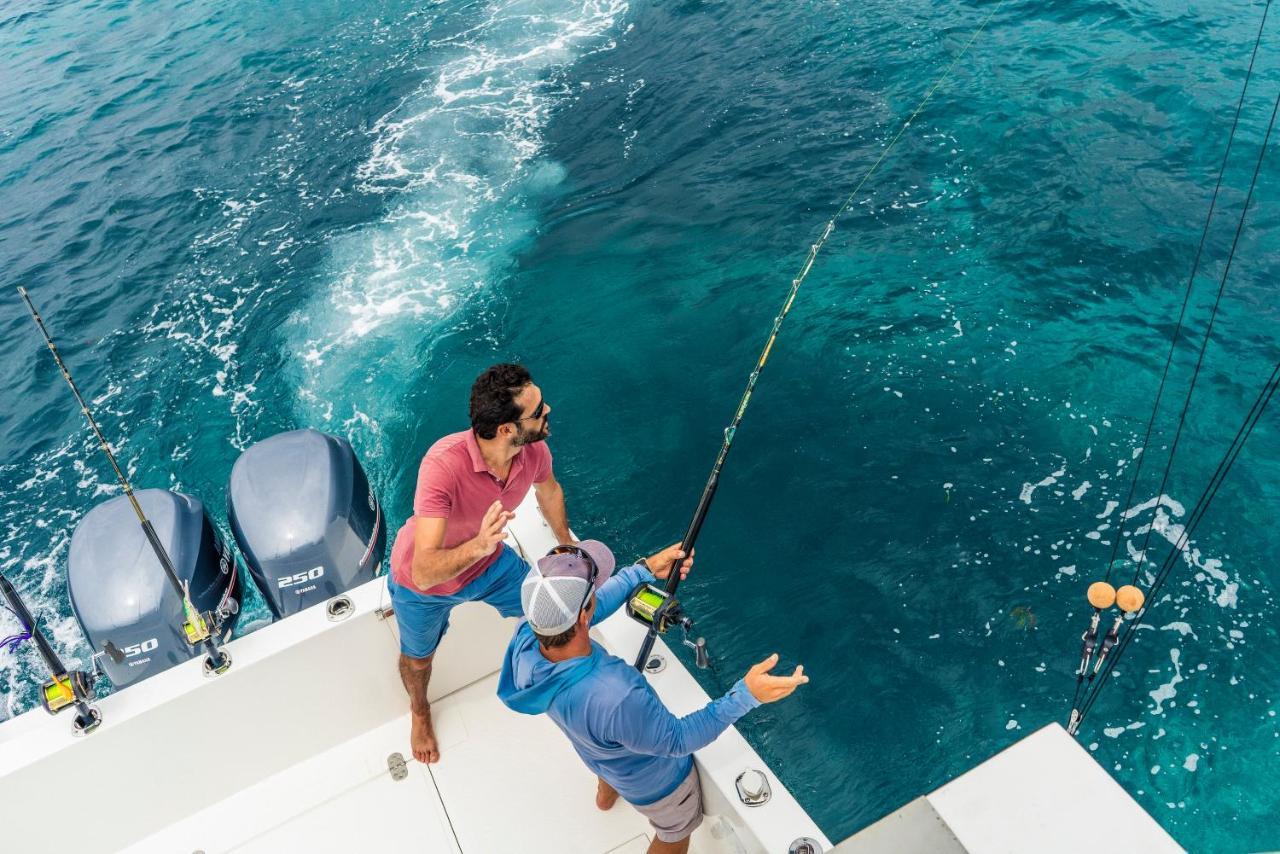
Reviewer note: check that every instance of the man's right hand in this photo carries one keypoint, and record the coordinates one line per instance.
(768, 688)
(492, 529)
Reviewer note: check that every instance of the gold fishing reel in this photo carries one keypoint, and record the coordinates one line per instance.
(199, 628)
(196, 627)
(650, 605)
(60, 692)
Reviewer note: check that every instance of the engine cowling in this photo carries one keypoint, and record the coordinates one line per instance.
(305, 518)
(121, 595)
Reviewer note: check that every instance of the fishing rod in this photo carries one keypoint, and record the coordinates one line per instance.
(198, 627)
(1101, 594)
(65, 688)
(1136, 607)
(656, 607)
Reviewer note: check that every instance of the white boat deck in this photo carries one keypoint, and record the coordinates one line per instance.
(501, 776)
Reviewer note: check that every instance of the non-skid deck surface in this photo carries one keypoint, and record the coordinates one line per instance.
(505, 783)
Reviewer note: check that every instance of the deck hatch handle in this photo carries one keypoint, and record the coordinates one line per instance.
(396, 765)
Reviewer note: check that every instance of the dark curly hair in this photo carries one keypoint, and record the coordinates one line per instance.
(493, 396)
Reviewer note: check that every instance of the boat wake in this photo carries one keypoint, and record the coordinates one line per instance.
(454, 174)
(459, 162)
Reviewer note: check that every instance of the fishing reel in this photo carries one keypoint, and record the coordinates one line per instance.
(199, 628)
(61, 692)
(650, 606)
(72, 690)
(196, 627)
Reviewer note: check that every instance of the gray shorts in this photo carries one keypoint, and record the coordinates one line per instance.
(679, 813)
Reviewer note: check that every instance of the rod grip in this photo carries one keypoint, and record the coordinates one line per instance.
(646, 648)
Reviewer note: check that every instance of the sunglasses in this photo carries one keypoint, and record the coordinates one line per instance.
(593, 569)
(538, 412)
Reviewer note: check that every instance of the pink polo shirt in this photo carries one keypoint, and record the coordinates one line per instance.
(454, 483)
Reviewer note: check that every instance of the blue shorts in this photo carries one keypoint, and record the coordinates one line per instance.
(423, 619)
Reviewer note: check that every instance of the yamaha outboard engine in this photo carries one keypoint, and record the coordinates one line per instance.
(121, 596)
(305, 518)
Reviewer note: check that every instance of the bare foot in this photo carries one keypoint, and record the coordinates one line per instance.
(606, 796)
(422, 738)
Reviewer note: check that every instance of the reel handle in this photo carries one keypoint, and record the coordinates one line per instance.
(700, 655)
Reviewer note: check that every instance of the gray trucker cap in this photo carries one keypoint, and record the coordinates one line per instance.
(556, 587)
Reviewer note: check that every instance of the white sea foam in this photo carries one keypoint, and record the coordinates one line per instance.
(1169, 689)
(460, 161)
(1028, 489)
(1227, 598)
(1175, 507)
(1175, 533)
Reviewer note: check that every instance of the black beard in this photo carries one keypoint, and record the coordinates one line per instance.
(528, 437)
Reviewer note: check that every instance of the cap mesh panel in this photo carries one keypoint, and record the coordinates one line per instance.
(546, 614)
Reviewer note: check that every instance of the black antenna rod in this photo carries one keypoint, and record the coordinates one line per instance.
(195, 625)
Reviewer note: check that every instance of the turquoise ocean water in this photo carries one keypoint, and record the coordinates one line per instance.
(244, 218)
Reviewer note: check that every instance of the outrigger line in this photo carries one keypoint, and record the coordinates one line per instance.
(199, 629)
(1101, 594)
(1134, 604)
(1264, 397)
(657, 607)
(65, 688)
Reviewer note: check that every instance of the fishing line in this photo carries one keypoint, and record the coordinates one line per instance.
(1224, 466)
(653, 615)
(1105, 595)
(1211, 491)
(1186, 299)
(1204, 344)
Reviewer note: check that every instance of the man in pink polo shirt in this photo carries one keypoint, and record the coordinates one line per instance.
(451, 549)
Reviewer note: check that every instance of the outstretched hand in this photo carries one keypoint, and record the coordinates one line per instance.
(768, 688)
(492, 528)
(660, 564)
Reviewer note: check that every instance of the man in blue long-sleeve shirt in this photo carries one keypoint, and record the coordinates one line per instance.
(612, 717)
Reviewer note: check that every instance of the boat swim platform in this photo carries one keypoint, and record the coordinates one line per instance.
(303, 745)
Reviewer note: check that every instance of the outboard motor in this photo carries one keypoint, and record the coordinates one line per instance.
(305, 518)
(125, 604)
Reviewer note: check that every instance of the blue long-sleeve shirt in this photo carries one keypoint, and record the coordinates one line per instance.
(611, 715)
